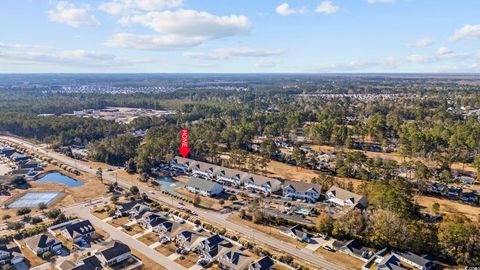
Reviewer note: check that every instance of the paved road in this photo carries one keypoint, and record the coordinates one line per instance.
(214, 217)
(83, 211)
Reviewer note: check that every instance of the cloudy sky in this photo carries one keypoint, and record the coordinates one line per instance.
(240, 36)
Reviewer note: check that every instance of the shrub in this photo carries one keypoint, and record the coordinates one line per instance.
(42, 206)
(23, 211)
(6, 216)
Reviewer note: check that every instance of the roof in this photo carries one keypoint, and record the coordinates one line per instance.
(264, 263)
(114, 249)
(345, 195)
(125, 207)
(229, 172)
(202, 166)
(154, 219)
(423, 261)
(201, 184)
(182, 160)
(355, 247)
(261, 180)
(213, 240)
(41, 241)
(301, 186)
(299, 231)
(89, 263)
(82, 228)
(391, 263)
(235, 259)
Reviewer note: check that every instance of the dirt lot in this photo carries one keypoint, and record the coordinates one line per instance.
(149, 238)
(135, 228)
(448, 206)
(188, 260)
(118, 221)
(167, 249)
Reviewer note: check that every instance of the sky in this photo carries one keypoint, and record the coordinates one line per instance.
(240, 36)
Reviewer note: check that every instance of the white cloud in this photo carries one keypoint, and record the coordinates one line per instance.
(118, 7)
(67, 13)
(192, 23)
(21, 46)
(380, 1)
(424, 42)
(326, 7)
(443, 51)
(265, 64)
(226, 53)
(67, 58)
(418, 58)
(179, 29)
(153, 42)
(285, 10)
(466, 31)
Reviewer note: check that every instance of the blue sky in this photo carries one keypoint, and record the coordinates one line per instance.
(240, 36)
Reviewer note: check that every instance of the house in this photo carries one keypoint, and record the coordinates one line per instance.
(204, 170)
(7, 151)
(454, 192)
(419, 262)
(301, 190)
(234, 259)
(467, 180)
(168, 230)
(151, 221)
(265, 263)
(203, 187)
(125, 208)
(355, 249)
(299, 232)
(18, 157)
(89, 263)
(229, 177)
(470, 197)
(438, 188)
(10, 255)
(214, 247)
(41, 243)
(344, 197)
(22, 172)
(390, 262)
(79, 230)
(138, 211)
(115, 252)
(188, 240)
(261, 184)
(182, 164)
(29, 164)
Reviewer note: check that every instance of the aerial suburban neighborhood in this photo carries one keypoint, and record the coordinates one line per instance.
(239, 135)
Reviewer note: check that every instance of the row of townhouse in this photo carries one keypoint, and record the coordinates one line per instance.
(237, 178)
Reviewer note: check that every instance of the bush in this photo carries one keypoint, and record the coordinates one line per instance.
(6, 216)
(42, 206)
(23, 211)
(35, 220)
(15, 226)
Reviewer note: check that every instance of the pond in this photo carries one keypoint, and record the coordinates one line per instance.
(56, 177)
(169, 185)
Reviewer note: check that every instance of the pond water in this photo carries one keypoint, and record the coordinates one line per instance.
(56, 177)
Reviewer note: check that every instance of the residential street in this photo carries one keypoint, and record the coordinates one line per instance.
(213, 217)
(83, 211)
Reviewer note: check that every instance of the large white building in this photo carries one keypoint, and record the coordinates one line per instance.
(301, 190)
(203, 187)
(345, 198)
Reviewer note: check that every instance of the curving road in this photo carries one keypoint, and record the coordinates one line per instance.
(214, 217)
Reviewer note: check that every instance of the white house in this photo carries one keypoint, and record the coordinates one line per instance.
(78, 230)
(228, 176)
(301, 190)
(10, 255)
(299, 232)
(41, 243)
(115, 252)
(182, 164)
(203, 187)
(419, 262)
(204, 170)
(261, 183)
(345, 198)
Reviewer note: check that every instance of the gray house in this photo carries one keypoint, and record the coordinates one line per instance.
(203, 187)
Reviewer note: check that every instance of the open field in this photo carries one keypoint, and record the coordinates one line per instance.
(448, 206)
(166, 249)
(188, 260)
(116, 222)
(135, 228)
(345, 260)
